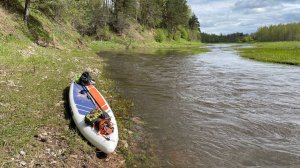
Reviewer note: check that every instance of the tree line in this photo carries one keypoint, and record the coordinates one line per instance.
(171, 18)
(229, 38)
(281, 32)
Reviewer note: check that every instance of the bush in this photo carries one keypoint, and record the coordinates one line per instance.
(194, 35)
(177, 36)
(104, 34)
(160, 35)
(53, 9)
(184, 33)
(247, 39)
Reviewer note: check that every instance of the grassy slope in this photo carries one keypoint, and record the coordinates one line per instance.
(34, 84)
(276, 52)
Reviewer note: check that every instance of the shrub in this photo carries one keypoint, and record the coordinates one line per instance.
(194, 35)
(54, 9)
(104, 34)
(177, 36)
(247, 39)
(184, 33)
(160, 35)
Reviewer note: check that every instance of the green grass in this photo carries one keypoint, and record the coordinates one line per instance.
(34, 98)
(149, 47)
(275, 52)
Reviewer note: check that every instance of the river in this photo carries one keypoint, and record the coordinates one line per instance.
(213, 109)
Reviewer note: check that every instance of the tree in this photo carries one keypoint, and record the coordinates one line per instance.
(27, 6)
(176, 13)
(151, 12)
(194, 23)
(123, 11)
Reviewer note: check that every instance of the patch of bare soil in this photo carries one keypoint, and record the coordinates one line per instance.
(56, 152)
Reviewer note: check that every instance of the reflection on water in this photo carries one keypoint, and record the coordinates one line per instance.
(214, 109)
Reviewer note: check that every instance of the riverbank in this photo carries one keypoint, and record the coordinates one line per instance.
(36, 127)
(35, 117)
(275, 52)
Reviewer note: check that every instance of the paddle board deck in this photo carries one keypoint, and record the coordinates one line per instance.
(82, 100)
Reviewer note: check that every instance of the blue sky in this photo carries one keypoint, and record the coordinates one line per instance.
(229, 16)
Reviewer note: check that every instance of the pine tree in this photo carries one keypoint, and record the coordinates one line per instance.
(176, 13)
(151, 12)
(194, 23)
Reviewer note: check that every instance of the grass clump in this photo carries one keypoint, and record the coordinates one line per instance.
(160, 35)
(275, 52)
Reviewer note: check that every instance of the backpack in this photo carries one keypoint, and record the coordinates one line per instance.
(92, 117)
(100, 121)
(86, 79)
(104, 124)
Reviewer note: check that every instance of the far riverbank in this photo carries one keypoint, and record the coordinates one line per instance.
(275, 52)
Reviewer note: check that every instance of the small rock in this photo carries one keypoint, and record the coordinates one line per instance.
(45, 133)
(59, 152)
(53, 162)
(125, 144)
(107, 159)
(138, 120)
(18, 156)
(43, 138)
(22, 153)
(96, 71)
(37, 165)
(11, 83)
(130, 132)
(23, 163)
(74, 156)
(122, 162)
(53, 154)
(48, 150)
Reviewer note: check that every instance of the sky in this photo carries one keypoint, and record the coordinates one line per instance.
(230, 16)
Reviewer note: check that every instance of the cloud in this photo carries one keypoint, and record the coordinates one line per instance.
(242, 4)
(229, 16)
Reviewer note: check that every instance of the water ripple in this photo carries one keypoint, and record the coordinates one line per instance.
(215, 109)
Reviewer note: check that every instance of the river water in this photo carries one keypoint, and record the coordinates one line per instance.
(214, 109)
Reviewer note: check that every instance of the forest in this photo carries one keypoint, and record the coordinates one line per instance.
(229, 38)
(101, 19)
(272, 33)
(281, 32)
